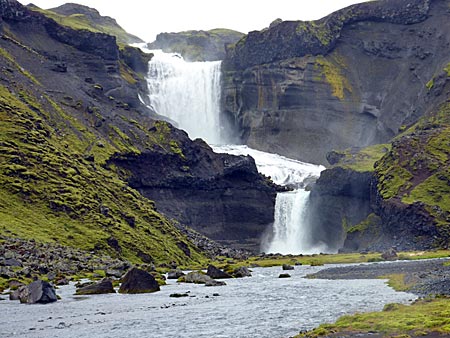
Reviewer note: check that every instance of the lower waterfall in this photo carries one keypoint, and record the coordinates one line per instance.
(189, 94)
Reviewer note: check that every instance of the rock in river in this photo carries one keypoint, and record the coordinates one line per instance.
(104, 286)
(216, 273)
(37, 292)
(138, 281)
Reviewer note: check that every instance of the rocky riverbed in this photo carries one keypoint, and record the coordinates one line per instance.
(423, 277)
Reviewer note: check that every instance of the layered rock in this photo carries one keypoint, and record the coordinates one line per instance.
(354, 78)
(197, 45)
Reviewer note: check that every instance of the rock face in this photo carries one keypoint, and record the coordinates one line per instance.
(354, 78)
(37, 292)
(221, 196)
(102, 287)
(197, 45)
(138, 281)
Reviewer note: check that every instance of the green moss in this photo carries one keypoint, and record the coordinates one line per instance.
(430, 84)
(331, 69)
(447, 69)
(369, 222)
(364, 159)
(7, 56)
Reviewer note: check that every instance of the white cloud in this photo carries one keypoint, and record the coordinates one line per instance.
(148, 18)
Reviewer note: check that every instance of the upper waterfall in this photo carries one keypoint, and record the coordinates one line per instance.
(188, 93)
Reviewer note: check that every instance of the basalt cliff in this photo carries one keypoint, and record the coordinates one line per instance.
(85, 164)
(352, 79)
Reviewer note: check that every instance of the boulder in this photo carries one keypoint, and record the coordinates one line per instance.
(242, 272)
(389, 255)
(179, 295)
(13, 262)
(197, 277)
(284, 275)
(37, 292)
(175, 274)
(138, 281)
(214, 282)
(216, 273)
(287, 267)
(102, 287)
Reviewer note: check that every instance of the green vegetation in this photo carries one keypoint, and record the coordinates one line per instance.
(331, 69)
(364, 159)
(54, 187)
(6, 55)
(396, 320)
(81, 21)
(317, 29)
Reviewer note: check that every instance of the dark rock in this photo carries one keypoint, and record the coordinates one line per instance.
(215, 283)
(287, 267)
(12, 262)
(37, 292)
(179, 295)
(113, 273)
(138, 281)
(102, 287)
(216, 273)
(175, 274)
(389, 255)
(242, 272)
(59, 67)
(284, 275)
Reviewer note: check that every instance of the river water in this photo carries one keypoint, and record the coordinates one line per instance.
(259, 306)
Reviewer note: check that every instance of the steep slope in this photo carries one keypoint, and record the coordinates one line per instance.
(82, 17)
(69, 106)
(197, 45)
(392, 195)
(354, 78)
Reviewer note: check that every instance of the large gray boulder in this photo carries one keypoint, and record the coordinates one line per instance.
(102, 287)
(197, 277)
(242, 272)
(37, 292)
(138, 281)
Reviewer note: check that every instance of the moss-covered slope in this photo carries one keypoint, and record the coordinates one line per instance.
(82, 17)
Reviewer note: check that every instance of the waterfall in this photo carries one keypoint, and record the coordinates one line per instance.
(188, 93)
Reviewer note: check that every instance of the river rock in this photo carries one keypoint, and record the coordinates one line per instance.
(216, 273)
(287, 267)
(138, 281)
(284, 275)
(242, 272)
(214, 282)
(175, 274)
(197, 277)
(102, 287)
(37, 292)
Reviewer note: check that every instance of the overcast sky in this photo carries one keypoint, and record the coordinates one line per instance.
(146, 18)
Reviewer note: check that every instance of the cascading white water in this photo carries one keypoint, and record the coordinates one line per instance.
(291, 229)
(188, 93)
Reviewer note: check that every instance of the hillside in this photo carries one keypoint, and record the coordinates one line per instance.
(82, 17)
(71, 121)
(197, 45)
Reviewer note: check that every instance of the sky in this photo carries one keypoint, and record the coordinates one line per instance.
(147, 18)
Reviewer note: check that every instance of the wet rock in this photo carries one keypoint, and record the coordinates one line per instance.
(242, 272)
(287, 267)
(214, 282)
(196, 278)
(138, 281)
(102, 287)
(175, 274)
(179, 295)
(216, 273)
(37, 292)
(284, 275)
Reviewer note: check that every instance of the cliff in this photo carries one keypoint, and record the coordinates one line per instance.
(82, 17)
(69, 109)
(197, 45)
(352, 79)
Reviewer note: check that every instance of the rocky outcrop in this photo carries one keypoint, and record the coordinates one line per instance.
(197, 45)
(354, 78)
(138, 281)
(219, 195)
